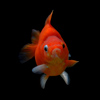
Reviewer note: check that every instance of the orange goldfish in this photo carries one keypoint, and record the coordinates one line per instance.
(50, 51)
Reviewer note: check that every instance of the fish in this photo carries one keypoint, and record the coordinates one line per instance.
(50, 51)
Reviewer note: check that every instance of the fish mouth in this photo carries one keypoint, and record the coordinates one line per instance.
(56, 52)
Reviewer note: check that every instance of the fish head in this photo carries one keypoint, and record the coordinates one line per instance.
(54, 48)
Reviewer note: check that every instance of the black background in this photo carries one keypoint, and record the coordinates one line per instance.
(72, 22)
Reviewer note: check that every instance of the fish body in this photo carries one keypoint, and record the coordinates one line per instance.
(50, 51)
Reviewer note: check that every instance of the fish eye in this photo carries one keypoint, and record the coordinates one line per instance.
(63, 45)
(46, 48)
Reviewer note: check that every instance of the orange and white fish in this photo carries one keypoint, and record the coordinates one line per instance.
(50, 51)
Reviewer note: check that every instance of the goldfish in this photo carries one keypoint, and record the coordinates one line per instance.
(50, 51)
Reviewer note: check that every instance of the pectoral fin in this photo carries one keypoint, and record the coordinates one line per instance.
(69, 55)
(65, 77)
(39, 69)
(71, 63)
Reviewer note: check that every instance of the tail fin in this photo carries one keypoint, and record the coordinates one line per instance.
(28, 51)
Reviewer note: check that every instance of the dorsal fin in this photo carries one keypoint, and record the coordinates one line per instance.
(48, 20)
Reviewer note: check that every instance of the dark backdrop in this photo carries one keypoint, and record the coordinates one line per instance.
(72, 23)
